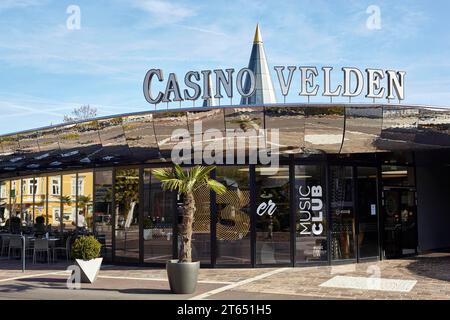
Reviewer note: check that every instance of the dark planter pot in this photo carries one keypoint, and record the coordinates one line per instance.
(182, 276)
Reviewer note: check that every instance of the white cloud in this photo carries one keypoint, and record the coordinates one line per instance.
(164, 11)
(11, 4)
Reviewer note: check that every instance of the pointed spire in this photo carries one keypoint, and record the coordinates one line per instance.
(210, 102)
(264, 92)
(258, 37)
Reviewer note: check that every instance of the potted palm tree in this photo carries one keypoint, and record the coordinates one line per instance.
(183, 273)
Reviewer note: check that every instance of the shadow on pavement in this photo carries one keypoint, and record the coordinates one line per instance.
(431, 266)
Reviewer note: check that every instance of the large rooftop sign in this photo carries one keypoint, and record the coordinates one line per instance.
(254, 83)
(373, 83)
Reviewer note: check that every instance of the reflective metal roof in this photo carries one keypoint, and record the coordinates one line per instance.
(304, 128)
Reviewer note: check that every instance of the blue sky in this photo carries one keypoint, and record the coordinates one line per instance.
(46, 70)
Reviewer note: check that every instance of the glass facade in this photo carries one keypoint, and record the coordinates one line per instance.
(233, 217)
(126, 214)
(273, 243)
(102, 215)
(343, 222)
(159, 216)
(367, 210)
(303, 213)
(4, 195)
(310, 214)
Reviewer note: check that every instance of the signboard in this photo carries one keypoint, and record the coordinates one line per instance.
(373, 210)
(373, 83)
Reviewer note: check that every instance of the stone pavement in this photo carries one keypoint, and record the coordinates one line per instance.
(42, 281)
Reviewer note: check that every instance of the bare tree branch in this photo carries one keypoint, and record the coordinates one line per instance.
(82, 113)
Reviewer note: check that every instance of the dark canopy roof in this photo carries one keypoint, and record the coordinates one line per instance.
(304, 128)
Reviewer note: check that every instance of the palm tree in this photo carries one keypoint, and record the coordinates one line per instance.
(186, 182)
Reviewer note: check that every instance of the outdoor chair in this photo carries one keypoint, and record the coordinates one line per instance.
(5, 244)
(15, 244)
(65, 249)
(41, 247)
(29, 246)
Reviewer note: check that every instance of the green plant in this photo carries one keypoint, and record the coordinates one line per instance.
(86, 248)
(187, 182)
(83, 202)
(148, 223)
(66, 200)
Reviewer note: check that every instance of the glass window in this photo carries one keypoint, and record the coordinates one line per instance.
(16, 202)
(310, 216)
(127, 215)
(233, 216)
(32, 186)
(40, 198)
(54, 202)
(15, 206)
(201, 229)
(4, 212)
(13, 188)
(272, 216)
(55, 186)
(56, 214)
(84, 201)
(80, 186)
(342, 215)
(159, 212)
(367, 212)
(103, 210)
(68, 200)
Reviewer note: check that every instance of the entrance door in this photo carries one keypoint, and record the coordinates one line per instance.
(400, 232)
(367, 212)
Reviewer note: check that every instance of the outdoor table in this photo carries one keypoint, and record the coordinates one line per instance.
(49, 239)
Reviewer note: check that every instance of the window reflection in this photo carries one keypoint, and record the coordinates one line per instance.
(127, 214)
(54, 202)
(272, 216)
(84, 202)
(4, 212)
(68, 200)
(233, 216)
(398, 175)
(342, 214)
(159, 209)
(15, 202)
(201, 229)
(103, 210)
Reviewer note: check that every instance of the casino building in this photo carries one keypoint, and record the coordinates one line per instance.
(355, 182)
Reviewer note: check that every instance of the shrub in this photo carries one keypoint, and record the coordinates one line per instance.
(86, 248)
(148, 223)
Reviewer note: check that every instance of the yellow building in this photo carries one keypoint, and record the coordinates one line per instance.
(46, 196)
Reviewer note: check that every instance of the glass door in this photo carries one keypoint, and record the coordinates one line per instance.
(367, 212)
(233, 217)
(126, 220)
(273, 244)
(400, 232)
(159, 218)
(343, 224)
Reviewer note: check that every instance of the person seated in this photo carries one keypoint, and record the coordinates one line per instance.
(40, 228)
(15, 225)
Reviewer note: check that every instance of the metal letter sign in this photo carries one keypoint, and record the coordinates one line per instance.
(375, 83)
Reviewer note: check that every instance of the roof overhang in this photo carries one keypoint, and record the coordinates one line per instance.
(146, 137)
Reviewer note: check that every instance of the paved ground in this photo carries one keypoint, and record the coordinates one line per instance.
(431, 273)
